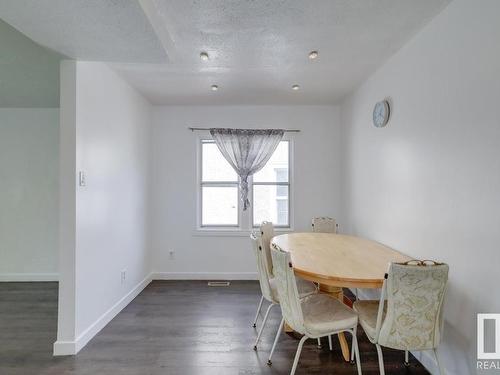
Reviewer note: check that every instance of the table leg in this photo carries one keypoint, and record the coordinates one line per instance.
(344, 346)
(337, 292)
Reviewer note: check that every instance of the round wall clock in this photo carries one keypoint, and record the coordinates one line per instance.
(381, 113)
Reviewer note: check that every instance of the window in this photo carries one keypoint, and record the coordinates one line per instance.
(219, 195)
(271, 188)
(219, 188)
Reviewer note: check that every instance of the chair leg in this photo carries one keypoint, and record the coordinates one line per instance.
(330, 342)
(380, 360)
(276, 341)
(263, 325)
(438, 361)
(297, 355)
(407, 359)
(355, 349)
(352, 346)
(258, 311)
(319, 343)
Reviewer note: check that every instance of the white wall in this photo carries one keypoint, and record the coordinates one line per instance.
(108, 124)
(29, 152)
(315, 187)
(428, 184)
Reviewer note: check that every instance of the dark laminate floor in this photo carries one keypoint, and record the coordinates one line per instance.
(172, 327)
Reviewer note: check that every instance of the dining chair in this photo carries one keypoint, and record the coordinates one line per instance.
(328, 225)
(268, 284)
(412, 316)
(267, 234)
(324, 225)
(317, 315)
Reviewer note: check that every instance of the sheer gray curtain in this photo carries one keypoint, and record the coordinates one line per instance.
(247, 151)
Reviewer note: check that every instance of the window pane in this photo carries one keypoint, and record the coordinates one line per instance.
(276, 169)
(220, 205)
(270, 203)
(214, 166)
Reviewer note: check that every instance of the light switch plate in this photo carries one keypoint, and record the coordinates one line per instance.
(81, 178)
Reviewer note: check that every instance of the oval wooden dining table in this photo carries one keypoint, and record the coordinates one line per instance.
(337, 261)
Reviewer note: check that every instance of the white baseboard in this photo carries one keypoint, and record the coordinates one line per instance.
(204, 276)
(62, 348)
(73, 347)
(28, 277)
(426, 358)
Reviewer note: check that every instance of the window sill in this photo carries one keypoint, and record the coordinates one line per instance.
(213, 232)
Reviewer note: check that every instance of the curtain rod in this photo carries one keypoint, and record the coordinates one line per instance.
(286, 130)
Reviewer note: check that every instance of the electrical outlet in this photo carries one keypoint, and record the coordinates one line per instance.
(171, 254)
(123, 276)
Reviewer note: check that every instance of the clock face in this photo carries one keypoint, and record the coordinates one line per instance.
(381, 114)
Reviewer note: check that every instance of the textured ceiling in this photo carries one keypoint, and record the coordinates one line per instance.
(258, 48)
(29, 73)
(101, 30)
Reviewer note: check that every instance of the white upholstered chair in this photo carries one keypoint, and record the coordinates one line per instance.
(267, 234)
(327, 225)
(324, 225)
(412, 316)
(314, 316)
(268, 284)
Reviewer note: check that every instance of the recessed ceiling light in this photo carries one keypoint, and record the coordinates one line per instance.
(295, 87)
(214, 87)
(204, 56)
(313, 55)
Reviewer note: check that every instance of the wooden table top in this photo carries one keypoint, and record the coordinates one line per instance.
(337, 259)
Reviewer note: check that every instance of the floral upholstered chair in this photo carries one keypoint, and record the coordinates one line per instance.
(268, 284)
(327, 225)
(317, 315)
(324, 225)
(267, 234)
(412, 316)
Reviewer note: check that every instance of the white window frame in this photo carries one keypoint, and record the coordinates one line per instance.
(289, 184)
(202, 183)
(245, 218)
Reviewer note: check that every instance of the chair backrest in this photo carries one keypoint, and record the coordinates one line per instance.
(287, 289)
(324, 225)
(415, 294)
(267, 234)
(262, 267)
